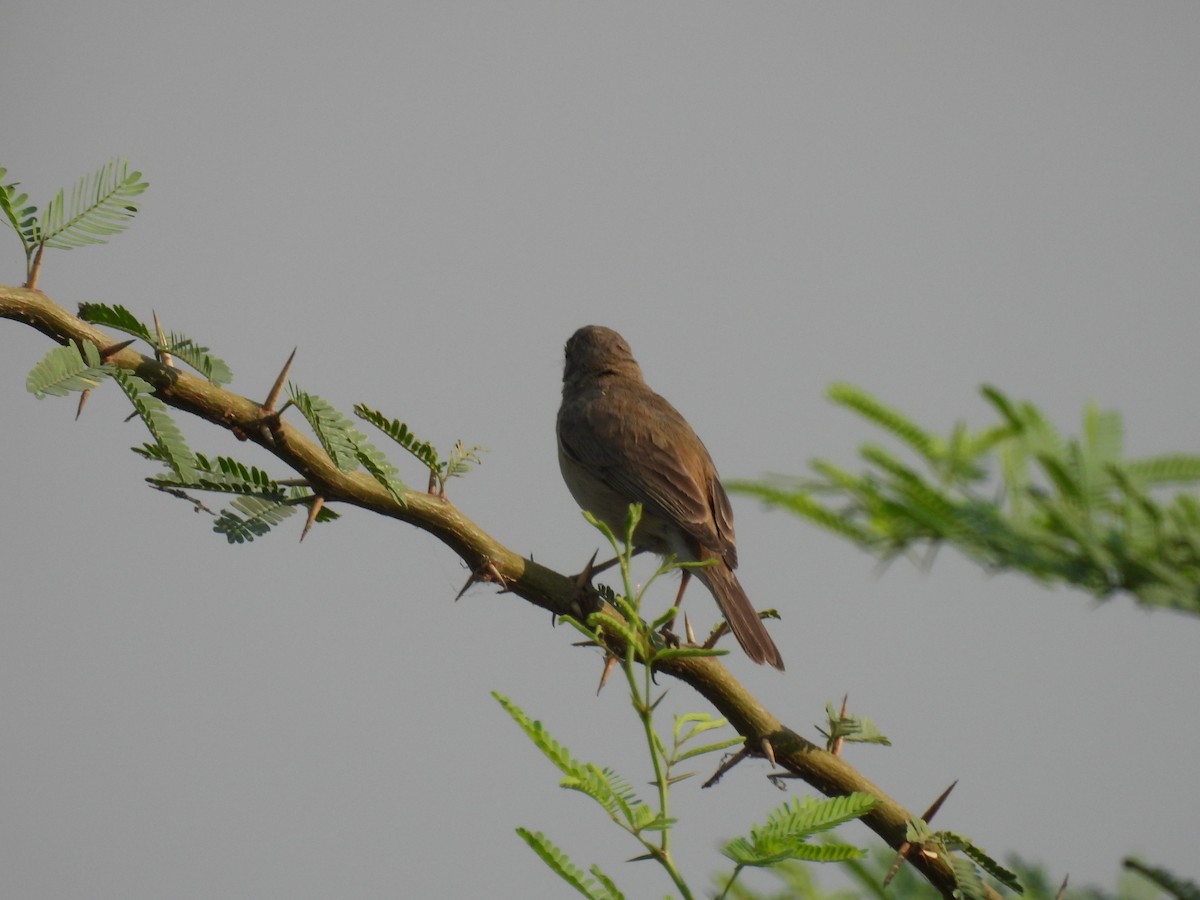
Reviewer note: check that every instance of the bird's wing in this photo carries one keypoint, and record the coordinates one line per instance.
(630, 454)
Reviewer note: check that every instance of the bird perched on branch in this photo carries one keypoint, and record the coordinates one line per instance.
(620, 443)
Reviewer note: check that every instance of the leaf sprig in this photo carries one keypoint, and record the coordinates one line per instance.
(98, 207)
(1073, 511)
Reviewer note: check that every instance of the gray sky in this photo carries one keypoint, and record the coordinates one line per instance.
(427, 199)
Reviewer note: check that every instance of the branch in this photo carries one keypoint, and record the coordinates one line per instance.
(483, 554)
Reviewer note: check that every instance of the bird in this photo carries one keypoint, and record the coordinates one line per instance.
(620, 443)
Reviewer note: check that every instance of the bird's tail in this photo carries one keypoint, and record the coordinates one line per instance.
(739, 612)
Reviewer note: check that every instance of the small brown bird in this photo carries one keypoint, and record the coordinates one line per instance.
(621, 443)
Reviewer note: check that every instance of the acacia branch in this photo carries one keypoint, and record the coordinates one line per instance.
(482, 553)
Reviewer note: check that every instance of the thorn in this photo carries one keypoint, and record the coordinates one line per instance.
(431, 489)
(129, 418)
(1062, 890)
(83, 399)
(768, 751)
(584, 578)
(937, 804)
(592, 570)
(726, 766)
(314, 509)
(487, 571)
(161, 350)
(268, 406)
(836, 749)
(610, 663)
(107, 353)
(906, 847)
(687, 630)
(471, 579)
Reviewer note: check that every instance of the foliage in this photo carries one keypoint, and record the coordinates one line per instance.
(943, 843)
(841, 727)
(460, 461)
(153, 412)
(1071, 511)
(99, 207)
(787, 831)
(1175, 886)
(73, 367)
(799, 882)
(789, 826)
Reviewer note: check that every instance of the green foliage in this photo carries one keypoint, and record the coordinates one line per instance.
(460, 461)
(262, 501)
(786, 833)
(1180, 888)
(118, 318)
(153, 412)
(224, 475)
(261, 514)
(1071, 511)
(99, 206)
(852, 729)
(966, 868)
(423, 451)
(562, 866)
(20, 214)
(799, 882)
(346, 445)
(216, 370)
(787, 830)
(72, 367)
(690, 726)
(604, 786)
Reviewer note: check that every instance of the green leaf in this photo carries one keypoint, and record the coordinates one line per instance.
(73, 367)
(1176, 886)
(216, 370)
(905, 429)
(1174, 468)
(788, 827)
(561, 864)
(792, 495)
(153, 412)
(1084, 515)
(20, 216)
(993, 868)
(227, 475)
(609, 885)
(213, 368)
(604, 786)
(117, 317)
(261, 514)
(710, 748)
(855, 729)
(381, 469)
(335, 432)
(398, 432)
(966, 877)
(99, 206)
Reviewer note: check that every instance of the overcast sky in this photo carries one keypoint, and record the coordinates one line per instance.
(427, 199)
